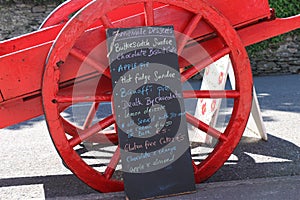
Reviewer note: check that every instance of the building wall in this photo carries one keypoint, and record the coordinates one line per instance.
(281, 59)
(18, 17)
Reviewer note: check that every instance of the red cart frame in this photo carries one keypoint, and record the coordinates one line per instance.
(39, 70)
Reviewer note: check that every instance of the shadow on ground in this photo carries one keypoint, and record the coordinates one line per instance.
(54, 186)
(287, 154)
(244, 168)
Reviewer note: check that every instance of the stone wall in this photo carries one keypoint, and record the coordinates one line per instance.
(280, 59)
(18, 17)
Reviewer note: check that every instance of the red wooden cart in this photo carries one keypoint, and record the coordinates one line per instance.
(64, 64)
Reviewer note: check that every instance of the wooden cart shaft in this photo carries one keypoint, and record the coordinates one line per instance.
(22, 59)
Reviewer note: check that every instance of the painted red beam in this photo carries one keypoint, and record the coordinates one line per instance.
(268, 29)
(74, 99)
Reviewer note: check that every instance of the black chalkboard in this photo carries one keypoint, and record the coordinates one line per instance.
(149, 110)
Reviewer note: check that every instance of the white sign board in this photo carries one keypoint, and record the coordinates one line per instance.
(207, 110)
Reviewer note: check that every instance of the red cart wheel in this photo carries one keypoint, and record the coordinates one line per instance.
(57, 93)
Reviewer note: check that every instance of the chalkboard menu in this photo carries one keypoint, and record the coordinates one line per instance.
(149, 110)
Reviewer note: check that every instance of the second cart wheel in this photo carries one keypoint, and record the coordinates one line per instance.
(76, 73)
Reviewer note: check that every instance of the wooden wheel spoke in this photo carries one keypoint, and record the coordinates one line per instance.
(91, 115)
(82, 99)
(188, 30)
(83, 57)
(83, 135)
(205, 128)
(111, 168)
(189, 73)
(149, 13)
(213, 94)
(106, 21)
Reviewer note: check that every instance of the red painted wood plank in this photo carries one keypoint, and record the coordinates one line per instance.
(29, 40)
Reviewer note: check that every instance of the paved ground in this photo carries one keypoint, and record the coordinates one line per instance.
(31, 168)
(279, 188)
